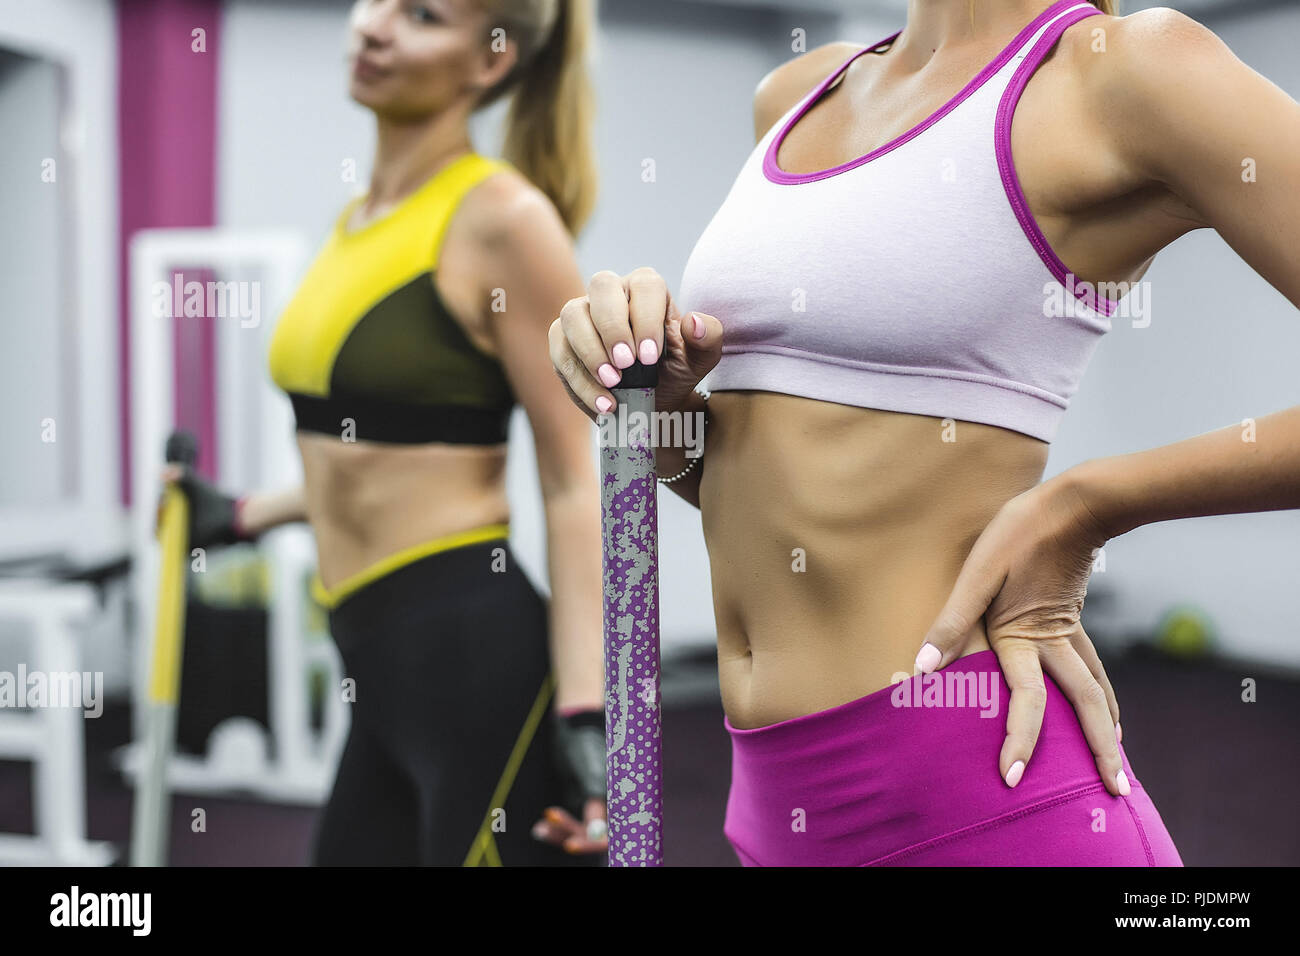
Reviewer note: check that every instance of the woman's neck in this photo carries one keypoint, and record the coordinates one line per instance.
(407, 154)
(933, 25)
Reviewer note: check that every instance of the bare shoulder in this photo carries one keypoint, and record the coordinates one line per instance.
(783, 87)
(1158, 88)
(1162, 31)
(1139, 61)
(506, 208)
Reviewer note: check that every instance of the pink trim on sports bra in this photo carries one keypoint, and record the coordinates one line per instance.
(777, 175)
(1002, 144)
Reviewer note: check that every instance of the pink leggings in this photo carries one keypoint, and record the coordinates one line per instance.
(908, 776)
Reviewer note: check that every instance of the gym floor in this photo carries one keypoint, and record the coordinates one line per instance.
(1221, 771)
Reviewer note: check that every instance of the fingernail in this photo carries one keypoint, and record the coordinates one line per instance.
(622, 355)
(538, 832)
(929, 658)
(1121, 781)
(649, 351)
(1014, 774)
(608, 375)
(699, 325)
(1119, 734)
(603, 404)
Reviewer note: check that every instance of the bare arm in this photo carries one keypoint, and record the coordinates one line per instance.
(257, 511)
(1254, 466)
(1184, 111)
(532, 262)
(1177, 108)
(263, 510)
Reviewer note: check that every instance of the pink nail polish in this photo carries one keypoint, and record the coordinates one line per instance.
(1119, 734)
(608, 375)
(622, 355)
(603, 404)
(698, 331)
(1121, 781)
(1014, 774)
(928, 659)
(649, 351)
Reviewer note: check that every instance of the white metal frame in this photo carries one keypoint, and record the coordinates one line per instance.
(52, 738)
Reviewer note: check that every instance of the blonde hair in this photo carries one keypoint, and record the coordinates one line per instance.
(549, 125)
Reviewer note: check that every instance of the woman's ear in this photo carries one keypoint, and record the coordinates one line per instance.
(500, 55)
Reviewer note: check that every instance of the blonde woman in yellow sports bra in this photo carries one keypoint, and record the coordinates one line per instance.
(477, 733)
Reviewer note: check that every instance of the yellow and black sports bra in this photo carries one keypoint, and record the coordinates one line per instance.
(368, 344)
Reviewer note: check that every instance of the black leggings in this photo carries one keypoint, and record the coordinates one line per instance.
(452, 673)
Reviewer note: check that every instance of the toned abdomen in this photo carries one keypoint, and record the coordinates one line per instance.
(367, 501)
(835, 535)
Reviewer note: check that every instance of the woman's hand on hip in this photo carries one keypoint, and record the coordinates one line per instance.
(1027, 576)
(622, 319)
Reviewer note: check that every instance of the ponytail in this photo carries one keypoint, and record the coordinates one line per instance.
(548, 127)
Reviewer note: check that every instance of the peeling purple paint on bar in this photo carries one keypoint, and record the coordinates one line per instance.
(630, 545)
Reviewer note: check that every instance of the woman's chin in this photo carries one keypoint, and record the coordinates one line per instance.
(364, 94)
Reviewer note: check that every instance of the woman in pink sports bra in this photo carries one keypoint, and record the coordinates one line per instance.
(892, 308)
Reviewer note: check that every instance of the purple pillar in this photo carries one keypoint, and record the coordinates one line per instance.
(167, 130)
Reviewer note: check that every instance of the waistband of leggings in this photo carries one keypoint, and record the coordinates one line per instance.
(331, 598)
(970, 684)
(910, 760)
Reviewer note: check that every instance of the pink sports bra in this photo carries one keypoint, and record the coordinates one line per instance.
(911, 279)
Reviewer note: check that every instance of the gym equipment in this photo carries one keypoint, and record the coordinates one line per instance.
(630, 548)
(151, 811)
(51, 738)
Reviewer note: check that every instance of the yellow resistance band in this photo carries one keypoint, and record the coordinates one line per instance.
(169, 628)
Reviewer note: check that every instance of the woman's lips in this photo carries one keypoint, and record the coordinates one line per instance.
(363, 69)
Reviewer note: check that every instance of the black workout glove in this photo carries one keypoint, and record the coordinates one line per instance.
(214, 516)
(580, 752)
